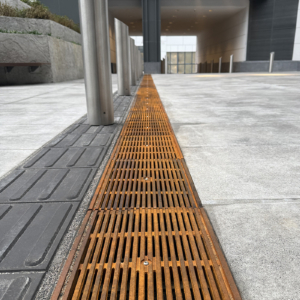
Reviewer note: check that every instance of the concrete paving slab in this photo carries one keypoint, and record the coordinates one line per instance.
(41, 185)
(20, 286)
(261, 244)
(229, 134)
(244, 172)
(239, 134)
(36, 114)
(12, 157)
(30, 234)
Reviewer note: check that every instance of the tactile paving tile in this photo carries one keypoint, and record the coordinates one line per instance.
(30, 233)
(83, 140)
(19, 286)
(59, 158)
(41, 185)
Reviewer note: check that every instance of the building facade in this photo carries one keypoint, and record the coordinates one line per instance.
(247, 29)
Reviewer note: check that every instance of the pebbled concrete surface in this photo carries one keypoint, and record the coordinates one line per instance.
(31, 115)
(239, 135)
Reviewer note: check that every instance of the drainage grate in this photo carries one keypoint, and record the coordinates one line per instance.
(145, 235)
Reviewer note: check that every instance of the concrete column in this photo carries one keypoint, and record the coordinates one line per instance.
(142, 64)
(220, 64)
(231, 64)
(151, 36)
(123, 58)
(166, 64)
(272, 57)
(137, 64)
(133, 77)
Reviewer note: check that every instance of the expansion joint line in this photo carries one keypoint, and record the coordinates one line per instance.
(146, 235)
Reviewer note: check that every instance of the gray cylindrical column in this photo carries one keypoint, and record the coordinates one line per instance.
(123, 58)
(272, 57)
(141, 67)
(166, 64)
(220, 64)
(87, 21)
(136, 63)
(103, 62)
(231, 64)
(140, 64)
(133, 77)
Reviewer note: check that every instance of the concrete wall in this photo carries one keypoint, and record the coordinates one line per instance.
(70, 9)
(15, 3)
(45, 27)
(61, 60)
(224, 38)
(66, 60)
(296, 50)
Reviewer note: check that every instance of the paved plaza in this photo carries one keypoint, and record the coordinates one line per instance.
(239, 135)
(31, 115)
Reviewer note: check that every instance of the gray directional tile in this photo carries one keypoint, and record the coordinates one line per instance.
(67, 158)
(19, 286)
(40, 185)
(80, 129)
(83, 140)
(31, 232)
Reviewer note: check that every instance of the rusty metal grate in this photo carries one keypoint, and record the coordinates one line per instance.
(145, 235)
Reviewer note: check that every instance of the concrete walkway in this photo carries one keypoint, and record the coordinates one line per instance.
(240, 137)
(31, 115)
(43, 200)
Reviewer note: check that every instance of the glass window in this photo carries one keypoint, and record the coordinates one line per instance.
(174, 58)
(169, 57)
(188, 69)
(181, 58)
(174, 69)
(180, 69)
(169, 69)
(193, 58)
(188, 57)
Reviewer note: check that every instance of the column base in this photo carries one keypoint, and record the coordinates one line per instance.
(152, 67)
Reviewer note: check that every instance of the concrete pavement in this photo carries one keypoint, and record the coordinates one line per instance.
(31, 115)
(239, 135)
(43, 201)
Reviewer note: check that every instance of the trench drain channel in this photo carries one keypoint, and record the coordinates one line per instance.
(146, 235)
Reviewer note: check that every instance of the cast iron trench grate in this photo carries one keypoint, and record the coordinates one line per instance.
(145, 235)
